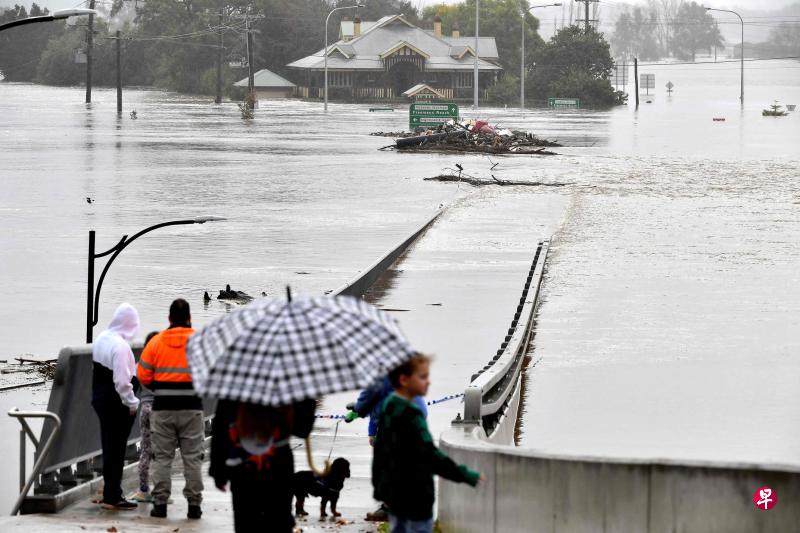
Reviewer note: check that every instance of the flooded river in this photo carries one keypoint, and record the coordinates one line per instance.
(669, 321)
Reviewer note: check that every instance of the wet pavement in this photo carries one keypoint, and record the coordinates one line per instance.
(670, 310)
(454, 294)
(355, 502)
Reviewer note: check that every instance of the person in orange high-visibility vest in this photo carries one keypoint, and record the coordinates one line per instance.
(177, 418)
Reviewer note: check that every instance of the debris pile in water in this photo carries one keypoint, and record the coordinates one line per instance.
(471, 136)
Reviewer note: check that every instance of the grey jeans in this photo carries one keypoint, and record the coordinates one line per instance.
(184, 430)
(403, 525)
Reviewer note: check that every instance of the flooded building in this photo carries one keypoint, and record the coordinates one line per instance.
(382, 60)
(268, 85)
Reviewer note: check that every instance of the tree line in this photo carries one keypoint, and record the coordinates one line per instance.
(173, 44)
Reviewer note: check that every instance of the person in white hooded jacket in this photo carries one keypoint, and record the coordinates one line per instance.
(114, 400)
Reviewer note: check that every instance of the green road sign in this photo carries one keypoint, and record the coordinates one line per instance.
(431, 114)
(564, 103)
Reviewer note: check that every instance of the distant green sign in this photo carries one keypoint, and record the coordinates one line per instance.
(564, 103)
(423, 114)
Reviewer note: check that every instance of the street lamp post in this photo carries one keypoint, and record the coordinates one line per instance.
(475, 66)
(93, 294)
(326, 46)
(55, 15)
(741, 67)
(522, 56)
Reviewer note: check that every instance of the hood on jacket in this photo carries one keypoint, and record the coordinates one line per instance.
(125, 322)
(176, 337)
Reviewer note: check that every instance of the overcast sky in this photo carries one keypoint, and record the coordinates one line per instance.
(729, 4)
(765, 5)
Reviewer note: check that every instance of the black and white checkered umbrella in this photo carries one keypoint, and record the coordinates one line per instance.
(276, 352)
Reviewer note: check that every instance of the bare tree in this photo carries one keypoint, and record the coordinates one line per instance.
(666, 10)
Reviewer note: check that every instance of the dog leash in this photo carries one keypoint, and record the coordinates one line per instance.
(333, 443)
(339, 419)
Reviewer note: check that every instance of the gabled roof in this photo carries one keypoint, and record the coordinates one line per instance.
(459, 51)
(345, 49)
(422, 88)
(266, 78)
(391, 33)
(487, 46)
(402, 44)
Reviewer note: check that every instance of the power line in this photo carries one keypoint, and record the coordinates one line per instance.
(737, 61)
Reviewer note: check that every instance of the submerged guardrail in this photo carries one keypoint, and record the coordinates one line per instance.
(494, 388)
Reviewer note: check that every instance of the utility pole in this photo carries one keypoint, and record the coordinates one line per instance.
(248, 18)
(89, 46)
(636, 78)
(522, 66)
(587, 21)
(119, 73)
(218, 98)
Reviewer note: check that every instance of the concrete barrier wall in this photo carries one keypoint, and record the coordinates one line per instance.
(71, 399)
(359, 285)
(530, 491)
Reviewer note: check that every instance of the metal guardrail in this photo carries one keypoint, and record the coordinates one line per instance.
(25, 485)
(493, 385)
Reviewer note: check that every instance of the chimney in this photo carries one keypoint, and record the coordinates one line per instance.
(437, 25)
(456, 32)
(341, 32)
(356, 26)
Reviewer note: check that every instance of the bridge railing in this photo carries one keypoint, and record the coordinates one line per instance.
(492, 396)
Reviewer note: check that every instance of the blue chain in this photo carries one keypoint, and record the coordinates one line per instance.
(429, 403)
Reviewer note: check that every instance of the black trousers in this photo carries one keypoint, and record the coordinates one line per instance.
(115, 427)
(262, 500)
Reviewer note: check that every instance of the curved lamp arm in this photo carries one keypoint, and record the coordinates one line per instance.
(741, 54)
(93, 311)
(55, 15)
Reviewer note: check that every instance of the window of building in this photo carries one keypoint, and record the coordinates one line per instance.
(340, 79)
(464, 79)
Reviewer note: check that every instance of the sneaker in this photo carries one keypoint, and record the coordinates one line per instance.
(143, 497)
(159, 510)
(379, 515)
(122, 505)
(195, 512)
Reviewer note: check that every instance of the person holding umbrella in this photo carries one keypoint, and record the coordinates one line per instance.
(250, 450)
(267, 363)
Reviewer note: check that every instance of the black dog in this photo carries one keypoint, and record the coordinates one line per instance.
(305, 483)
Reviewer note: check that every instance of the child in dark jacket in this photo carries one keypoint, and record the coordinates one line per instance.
(370, 402)
(405, 458)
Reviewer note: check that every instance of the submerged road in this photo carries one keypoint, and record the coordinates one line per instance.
(449, 293)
